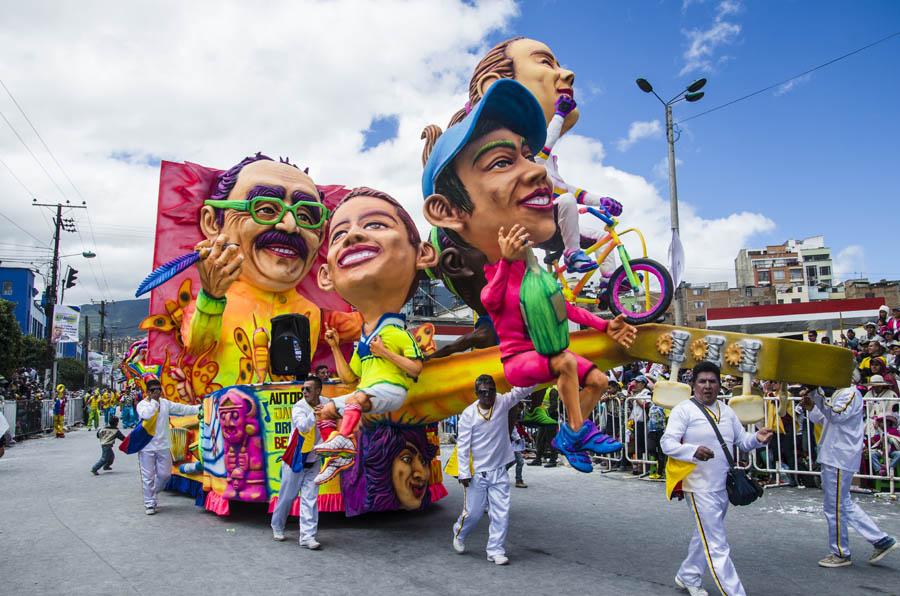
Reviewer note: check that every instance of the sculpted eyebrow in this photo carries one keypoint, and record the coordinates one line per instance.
(299, 195)
(261, 190)
(492, 145)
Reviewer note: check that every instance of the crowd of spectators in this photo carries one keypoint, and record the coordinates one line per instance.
(628, 413)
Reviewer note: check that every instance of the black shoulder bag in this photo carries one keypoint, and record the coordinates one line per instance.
(742, 490)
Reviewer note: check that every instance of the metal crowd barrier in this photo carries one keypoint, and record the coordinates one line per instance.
(75, 411)
(46, 414)
(791, 454)
(9, 412)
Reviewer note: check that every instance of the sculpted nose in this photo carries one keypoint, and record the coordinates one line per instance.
(288, 224)
(567, 76)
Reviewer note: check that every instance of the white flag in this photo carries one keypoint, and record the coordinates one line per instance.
(676, 258)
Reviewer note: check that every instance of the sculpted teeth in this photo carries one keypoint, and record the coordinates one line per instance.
(357, 256)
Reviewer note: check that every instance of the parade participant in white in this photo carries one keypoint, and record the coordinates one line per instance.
(156, 458)
(303, 420)
(689, 437)
(484, 440)
(840, 449)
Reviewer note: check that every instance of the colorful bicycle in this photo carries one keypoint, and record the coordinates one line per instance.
(641, 289)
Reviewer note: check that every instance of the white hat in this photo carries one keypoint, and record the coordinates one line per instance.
(877, 380)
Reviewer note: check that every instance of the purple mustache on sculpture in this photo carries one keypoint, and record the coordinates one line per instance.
(286, 245)
(170, 269)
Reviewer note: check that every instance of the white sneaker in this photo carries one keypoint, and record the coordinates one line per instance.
(336, 444)
(150, 511)
(834, 560)
(498, 559)
(458, 545)
(311, 544)
(333, 467)
(278, 535)
(692, 590)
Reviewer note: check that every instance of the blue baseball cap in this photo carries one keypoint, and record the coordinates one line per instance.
(507, 102)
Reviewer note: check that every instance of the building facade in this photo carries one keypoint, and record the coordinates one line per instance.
(17, 286)
(795, 263)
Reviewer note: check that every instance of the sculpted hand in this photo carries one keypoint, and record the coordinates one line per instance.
(377, 346)
(565, 104)
(613, 206)
(327, 411)
(515, 243)
(764, 435)
(703, 453)
(219, 266)
(332, 337)
(621, 331)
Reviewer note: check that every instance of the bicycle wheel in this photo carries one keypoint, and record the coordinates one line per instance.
(638, 305)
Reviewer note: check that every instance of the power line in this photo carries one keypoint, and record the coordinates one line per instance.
(23, 229)
(41, 165)
(802, 74)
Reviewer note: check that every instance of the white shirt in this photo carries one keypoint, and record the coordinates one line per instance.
(841, 443)
(303, 418)
(637, 406)
(688, 429)
(485, 436)
(148, 407)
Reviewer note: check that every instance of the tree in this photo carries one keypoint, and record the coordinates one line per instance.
(10, 339)
(36, 353)
(70, 372)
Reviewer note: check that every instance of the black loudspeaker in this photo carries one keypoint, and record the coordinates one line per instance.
(289, 349)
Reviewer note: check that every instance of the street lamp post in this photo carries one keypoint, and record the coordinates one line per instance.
(691, 94)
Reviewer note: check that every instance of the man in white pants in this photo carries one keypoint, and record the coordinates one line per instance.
(156, 458)
(690, 437)
(840, 449)
(304, 460)
(484, 440)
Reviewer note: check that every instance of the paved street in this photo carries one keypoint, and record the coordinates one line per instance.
(63, 531)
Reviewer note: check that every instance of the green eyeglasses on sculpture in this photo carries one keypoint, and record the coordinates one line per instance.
(269, 211)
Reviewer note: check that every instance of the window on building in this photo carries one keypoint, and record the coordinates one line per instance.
(811, 272)
(7, 289)
(824, 270)
(700, 318)
(763, 276)
(796, 274)
(795, 301)
(697, 292)
(698, 305)
(778, 275)
(870, 294)
(748, 292)
(780, 301)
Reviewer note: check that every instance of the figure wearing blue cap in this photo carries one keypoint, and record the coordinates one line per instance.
(483, 188)
(533, 64)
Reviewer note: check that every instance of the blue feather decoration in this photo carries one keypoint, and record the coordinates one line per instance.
(167, 271)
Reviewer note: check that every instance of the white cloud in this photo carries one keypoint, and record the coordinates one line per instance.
(850, 262)
(710, 244)
(638, 131)
(790, 85)
(703, 43)
(661, 169)
(114, 88)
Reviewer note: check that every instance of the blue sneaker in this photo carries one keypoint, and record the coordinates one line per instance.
(565, 443)
(592, 439)
(578, 262)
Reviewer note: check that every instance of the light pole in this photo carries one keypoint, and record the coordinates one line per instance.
(691, 94)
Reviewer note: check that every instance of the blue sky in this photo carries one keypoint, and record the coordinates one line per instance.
(822, 157)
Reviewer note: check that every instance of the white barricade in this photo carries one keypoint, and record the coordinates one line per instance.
(791, 454)
(9, 412)
(75, 411)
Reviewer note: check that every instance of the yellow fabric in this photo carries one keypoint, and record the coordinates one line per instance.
(452, 467)
(817, 431)
(676, 471)
(773, 420)
(373, 370)
(205, 324)
(309, 440)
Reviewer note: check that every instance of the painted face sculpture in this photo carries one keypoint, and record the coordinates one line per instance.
(273, 212)
(244, 454)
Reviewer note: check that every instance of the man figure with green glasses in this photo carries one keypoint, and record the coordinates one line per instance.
(263, 224)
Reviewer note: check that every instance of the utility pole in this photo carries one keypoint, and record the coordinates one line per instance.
(50, 293)
(673, 207)
(86, 350)
(103, 326)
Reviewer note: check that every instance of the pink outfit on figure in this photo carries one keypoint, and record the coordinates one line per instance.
(522, 365)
